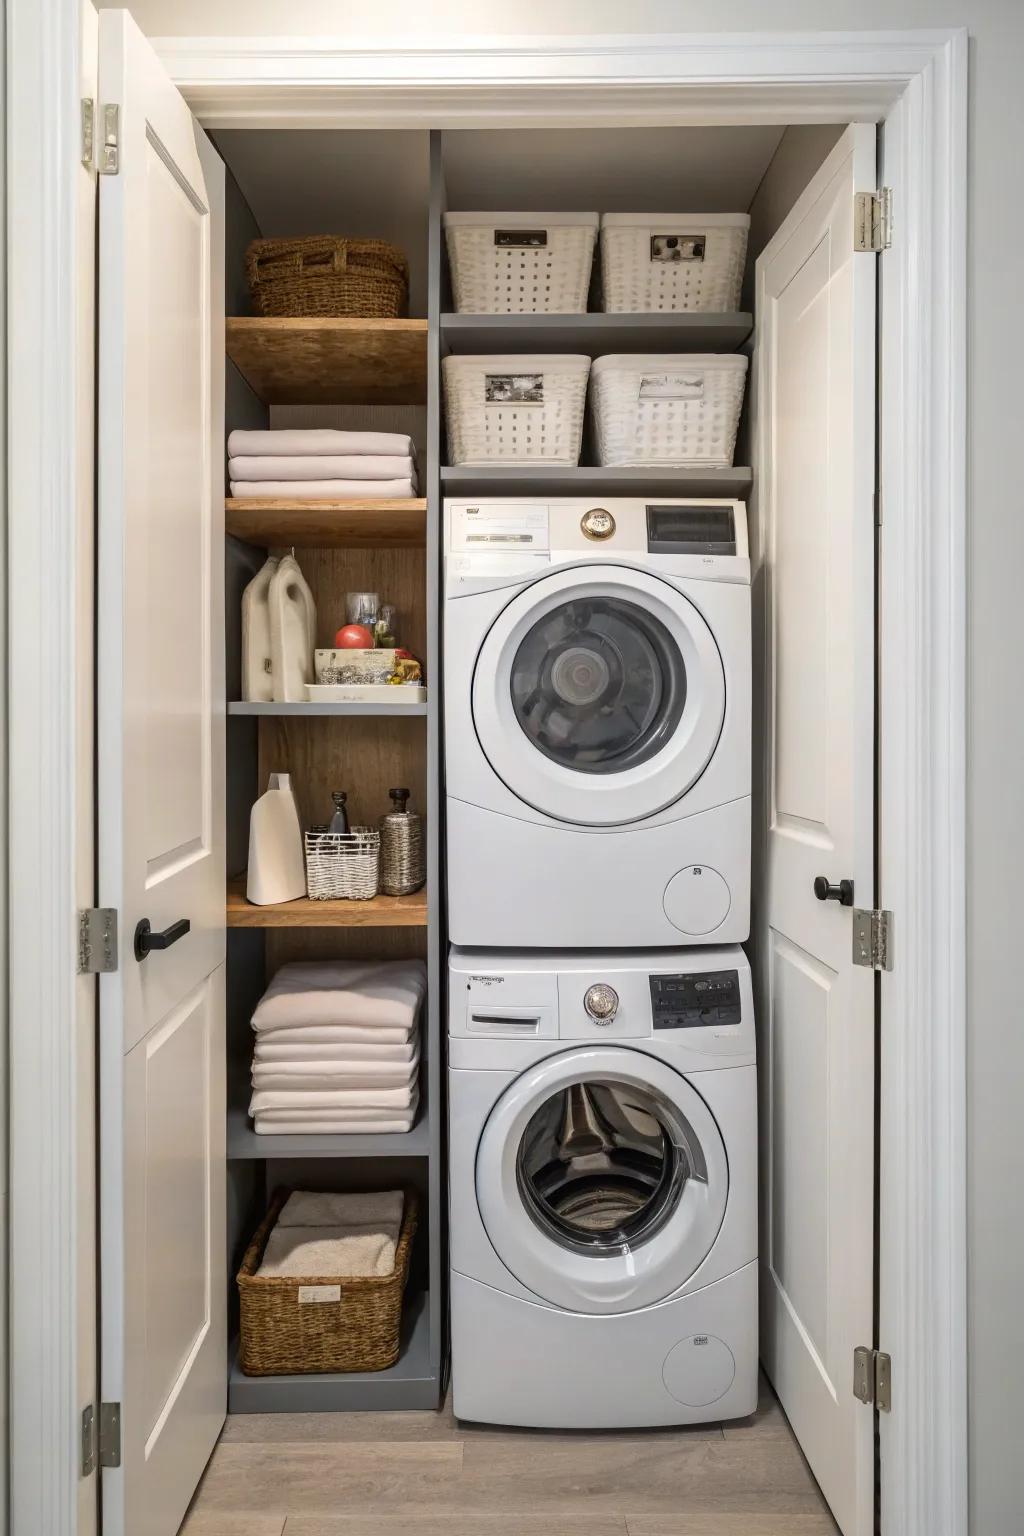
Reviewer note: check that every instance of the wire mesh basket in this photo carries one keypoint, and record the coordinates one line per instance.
(342, 866)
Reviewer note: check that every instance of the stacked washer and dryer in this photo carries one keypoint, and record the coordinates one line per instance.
(602, 1078)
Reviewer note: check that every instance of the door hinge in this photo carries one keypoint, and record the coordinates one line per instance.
(872, 220)
(110, 1434)
(110, 151)
(872, 1378)
(88, 1441)
(872, 939)
(88, 131)
(97, 941)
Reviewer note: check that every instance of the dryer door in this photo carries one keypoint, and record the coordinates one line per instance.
(602, 1180)
(599, 695)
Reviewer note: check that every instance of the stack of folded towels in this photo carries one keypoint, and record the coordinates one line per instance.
(330, 1237)
(337, 1048)
(294, 463)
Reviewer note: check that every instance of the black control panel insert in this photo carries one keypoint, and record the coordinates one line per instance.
(690, 530)
(688, 1002)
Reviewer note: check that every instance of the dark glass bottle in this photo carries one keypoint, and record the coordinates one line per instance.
(339, 821)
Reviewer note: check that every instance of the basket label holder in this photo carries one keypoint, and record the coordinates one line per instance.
(671, 386)
(521, 239)
(318, 1295)
(669, 249)
(514, 388)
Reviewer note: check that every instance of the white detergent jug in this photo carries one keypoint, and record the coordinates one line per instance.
(292, 632)
(277, 870)
(257, 675)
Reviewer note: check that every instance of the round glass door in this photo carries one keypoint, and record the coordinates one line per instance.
(602, 1165)
(602, 1179)
(598, 684)
(599, 694)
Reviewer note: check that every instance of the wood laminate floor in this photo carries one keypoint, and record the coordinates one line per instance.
(424, 1474)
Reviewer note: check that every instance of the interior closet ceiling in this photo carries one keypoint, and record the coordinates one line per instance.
(312, 182)
(608, 170)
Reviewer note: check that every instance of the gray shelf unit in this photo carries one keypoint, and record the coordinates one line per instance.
(587, 480)
(595, 334)
(257, 1164)
(246, 707)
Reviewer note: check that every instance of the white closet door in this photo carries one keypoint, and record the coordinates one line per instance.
(161, 788)
(816, 445)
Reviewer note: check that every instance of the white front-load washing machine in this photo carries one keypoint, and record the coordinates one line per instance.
(597, 722)
(603, 1188)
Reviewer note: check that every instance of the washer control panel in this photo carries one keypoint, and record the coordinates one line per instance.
(696, 1000)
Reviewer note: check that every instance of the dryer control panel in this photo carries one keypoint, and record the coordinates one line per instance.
(492, 537)
(695, 1000)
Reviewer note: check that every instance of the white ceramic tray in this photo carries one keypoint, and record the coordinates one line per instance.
(366, 693)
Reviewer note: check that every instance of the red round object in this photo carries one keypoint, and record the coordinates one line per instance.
(354, 637)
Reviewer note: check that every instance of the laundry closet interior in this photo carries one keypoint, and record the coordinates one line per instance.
(385, 375)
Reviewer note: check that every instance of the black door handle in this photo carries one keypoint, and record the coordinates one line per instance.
(843, 892)
(146, 939)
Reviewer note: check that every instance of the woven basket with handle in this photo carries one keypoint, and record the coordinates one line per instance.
(327, 275)
(283, 1332)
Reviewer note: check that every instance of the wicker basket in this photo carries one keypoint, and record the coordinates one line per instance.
(327, 275)
(351, 1325)
(654, 262)
(520, 263)
(672, 409)
(343, 866)
(516, 409)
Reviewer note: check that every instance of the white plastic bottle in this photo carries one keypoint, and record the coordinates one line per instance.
(257, 676)
(292, 632)
(277, 870)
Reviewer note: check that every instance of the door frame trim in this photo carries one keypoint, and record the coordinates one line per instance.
(914, 81)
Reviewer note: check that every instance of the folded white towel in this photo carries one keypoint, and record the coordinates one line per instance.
(346, 466)
(317, 440)
(331, 1098)
(360, 1074)
(326, 1082)
(332, 1035)
(350, 992)
(329, 1253)
(355, 1116)
(395, 1124)
(314, 1208)
(271, 1048)
(322, 490)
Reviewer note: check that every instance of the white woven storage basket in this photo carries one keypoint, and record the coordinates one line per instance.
(343, 865)
(517, 409)
(672, 409)
(672, 261)
(520, 263)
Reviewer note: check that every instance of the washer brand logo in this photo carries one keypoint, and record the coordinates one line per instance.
(488, 981)
(700, 1338)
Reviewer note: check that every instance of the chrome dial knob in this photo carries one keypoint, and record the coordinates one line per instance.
(598, 523)
(601, 1002)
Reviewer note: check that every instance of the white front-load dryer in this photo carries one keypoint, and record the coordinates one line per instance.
(597, 722)
(603, 1188)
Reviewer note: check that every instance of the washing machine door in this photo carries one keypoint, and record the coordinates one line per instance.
(599, 695)
(602, 1179)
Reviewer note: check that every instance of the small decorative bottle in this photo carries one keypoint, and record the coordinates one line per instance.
(403, 866)
(339, 821)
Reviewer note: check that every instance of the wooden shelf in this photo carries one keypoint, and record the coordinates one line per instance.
(378, 912)
(596, 334)
(330, 361)
(392, 523)
(584, 480)
(412, 1382)
(245, 707)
